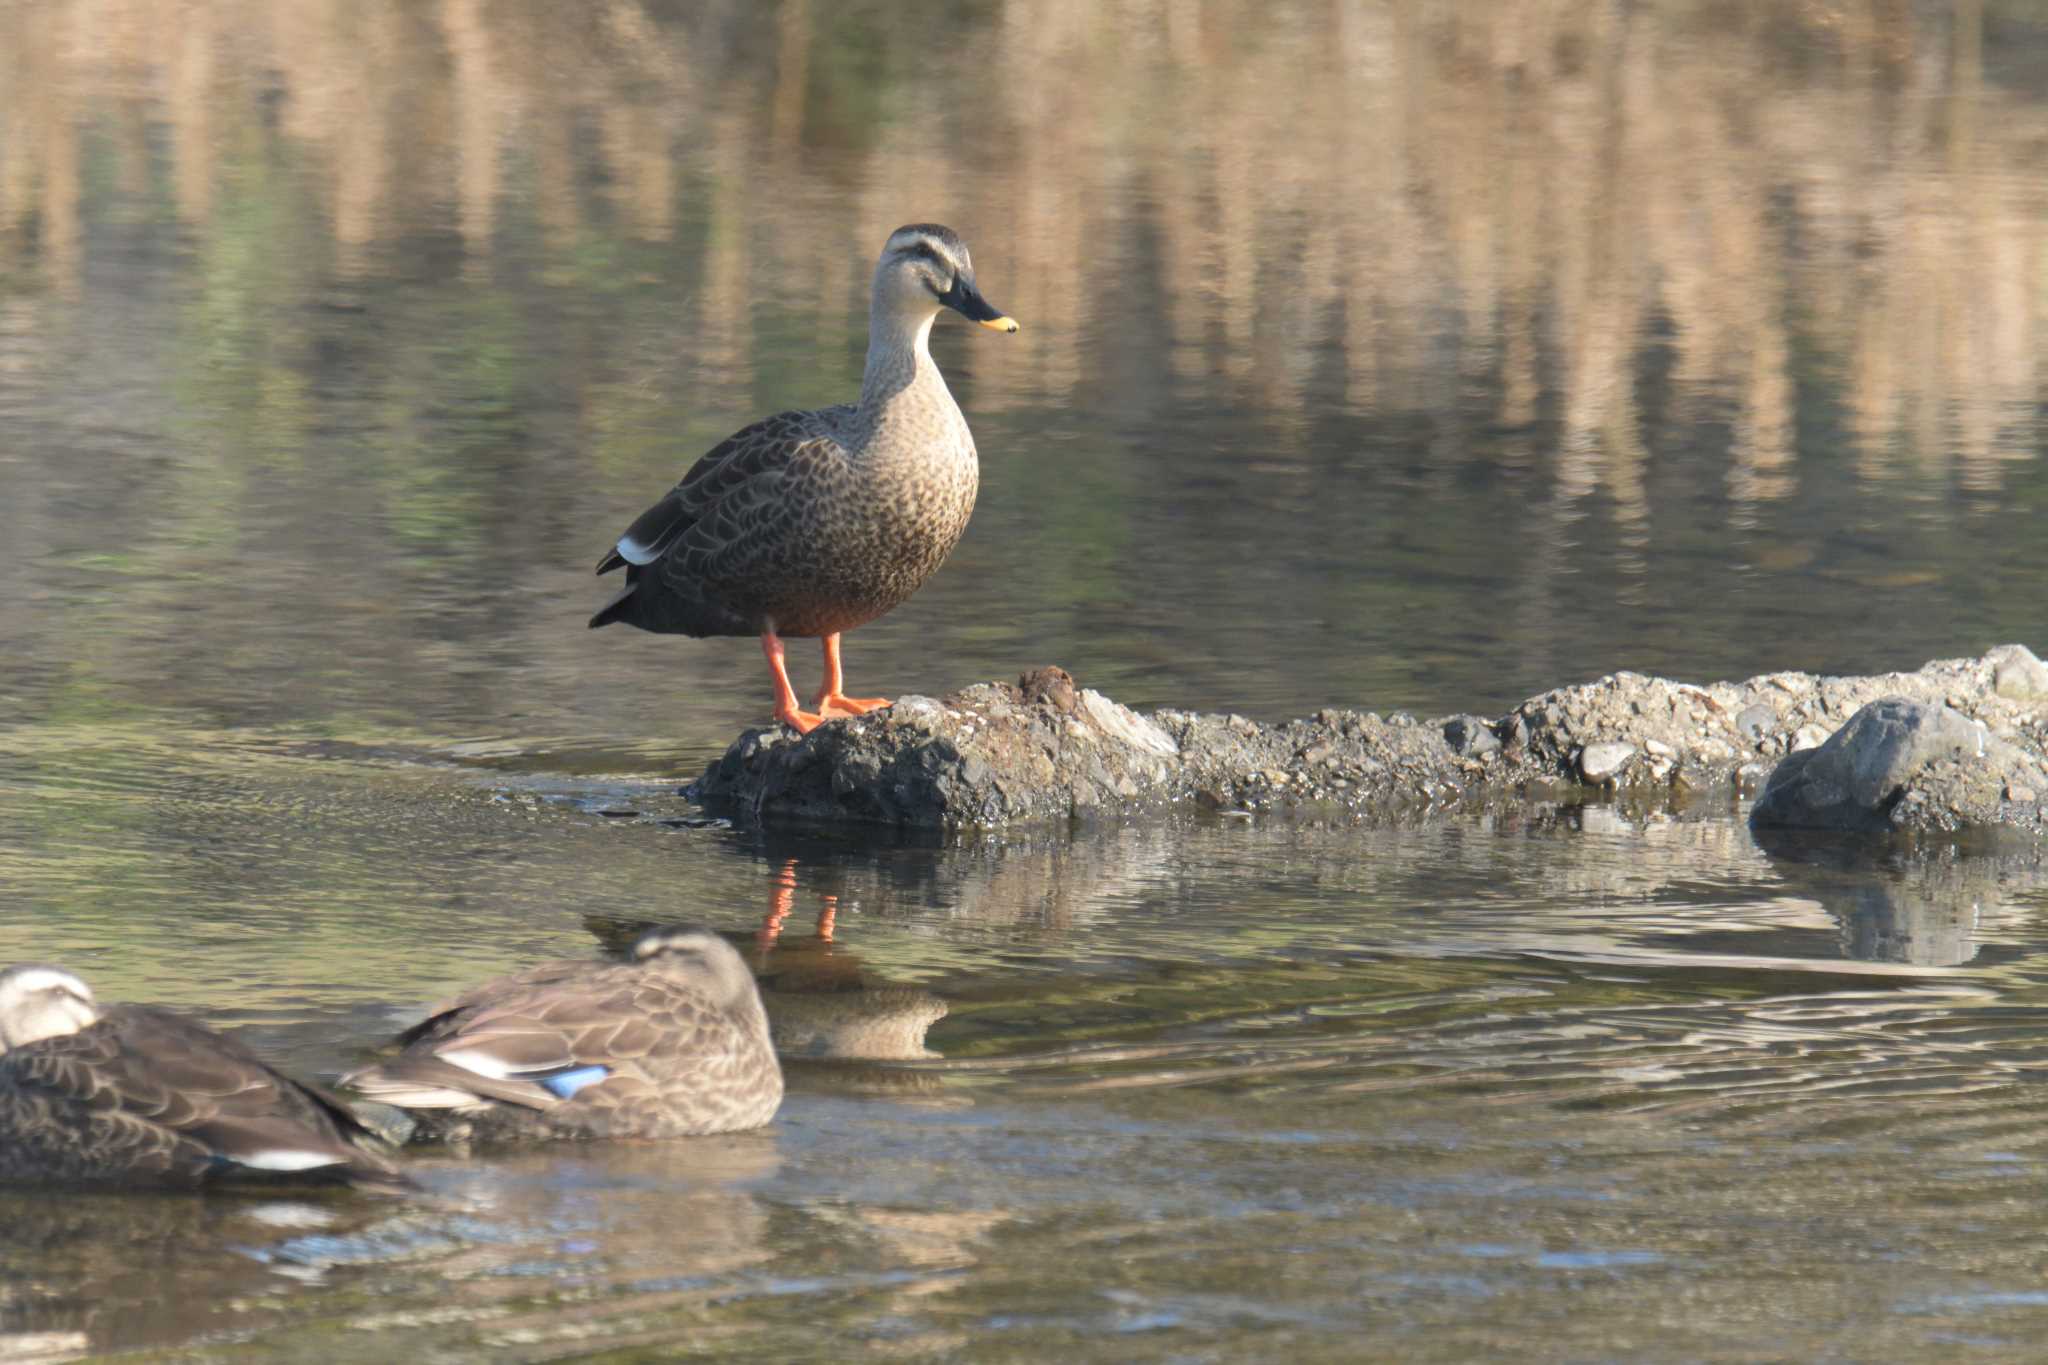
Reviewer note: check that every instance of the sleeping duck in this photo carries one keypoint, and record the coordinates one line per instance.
(132, 1095)
(670, 1042)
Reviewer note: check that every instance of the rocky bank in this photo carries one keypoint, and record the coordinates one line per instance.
(1957, 744)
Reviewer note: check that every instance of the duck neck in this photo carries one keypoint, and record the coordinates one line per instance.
(902, 384)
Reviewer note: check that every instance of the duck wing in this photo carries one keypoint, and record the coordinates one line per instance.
(744, 456)
(157, 1068)
(531, 1041)
(748, 532)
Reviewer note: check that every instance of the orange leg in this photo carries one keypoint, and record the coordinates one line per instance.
(831, 701)
(779, 902)
(803, 722)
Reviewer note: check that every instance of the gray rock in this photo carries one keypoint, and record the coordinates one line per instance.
(1757, 722)
(1809, 737)
(1601, 764)
(1044, 749)
(2016, 673)
(1885, 768)
(1470, 735)
(1122, 725)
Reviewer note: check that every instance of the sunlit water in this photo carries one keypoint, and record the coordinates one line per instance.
(1407, 357)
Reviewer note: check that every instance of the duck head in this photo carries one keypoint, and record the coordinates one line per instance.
(925, 267)
(38, 1002)
(708, 960)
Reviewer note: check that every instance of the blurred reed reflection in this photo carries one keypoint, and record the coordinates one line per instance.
(1621, 209)
(336, 332)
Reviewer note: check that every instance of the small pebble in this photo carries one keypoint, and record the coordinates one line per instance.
(1602, 763)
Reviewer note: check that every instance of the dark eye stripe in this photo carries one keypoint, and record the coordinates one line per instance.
(925, 250)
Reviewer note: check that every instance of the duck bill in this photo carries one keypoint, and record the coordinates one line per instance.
(964, 299)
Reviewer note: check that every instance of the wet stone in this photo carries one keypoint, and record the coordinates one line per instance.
(1901, 764)
(1756, 722)
(1471, 736)
(1046, 749)
(2016, 673)
(1809, 737)
(1600, 764)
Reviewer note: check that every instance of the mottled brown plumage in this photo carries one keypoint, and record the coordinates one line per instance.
(811, 523)
(669, 1043)
(130, 1095)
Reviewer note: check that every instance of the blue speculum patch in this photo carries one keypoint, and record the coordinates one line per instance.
(565, 1084)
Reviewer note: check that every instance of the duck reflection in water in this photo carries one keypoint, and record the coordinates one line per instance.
(823, 1002)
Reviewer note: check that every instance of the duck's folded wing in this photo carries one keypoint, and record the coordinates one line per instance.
(651, 535)
(74, 1066)
(154, 1067)
(147, 1063)
(451, 1016)
(424, 1081)
(759, 521)
(222, 1093)
(740, 457)
(516, 1054)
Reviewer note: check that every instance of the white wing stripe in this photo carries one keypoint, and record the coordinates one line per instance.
(280, 1159)
(482, 1063)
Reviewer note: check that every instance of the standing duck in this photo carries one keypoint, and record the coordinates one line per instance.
(670, 1042)
(812, 523)
(132, 1095)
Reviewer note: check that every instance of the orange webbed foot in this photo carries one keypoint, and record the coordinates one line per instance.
(831, 705)
(803, 722)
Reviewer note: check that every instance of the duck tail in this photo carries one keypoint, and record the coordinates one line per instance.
(618, 609)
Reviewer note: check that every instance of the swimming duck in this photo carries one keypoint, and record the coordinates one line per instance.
(668, 1043)
(811, 523)
(128, 1094)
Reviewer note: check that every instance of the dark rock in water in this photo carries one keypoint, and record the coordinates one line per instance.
(1047, 749)
(992, 754)
(387, 1121)
(1900, 764)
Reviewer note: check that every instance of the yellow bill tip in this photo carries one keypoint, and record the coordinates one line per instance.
(1001, 324)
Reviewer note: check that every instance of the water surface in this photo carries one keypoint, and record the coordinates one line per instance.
(1399, 357)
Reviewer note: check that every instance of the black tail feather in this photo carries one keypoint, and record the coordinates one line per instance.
(618, 608)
